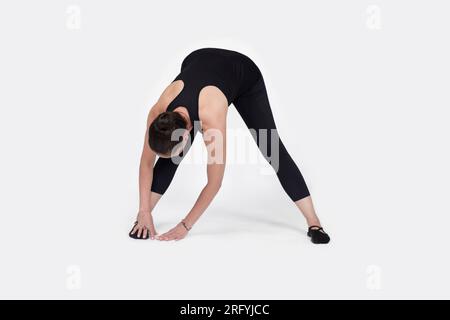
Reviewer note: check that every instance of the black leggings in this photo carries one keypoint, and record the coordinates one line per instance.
(254, 108)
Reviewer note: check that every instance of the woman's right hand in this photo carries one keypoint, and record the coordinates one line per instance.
(144, 226)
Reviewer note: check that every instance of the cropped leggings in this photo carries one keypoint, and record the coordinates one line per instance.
(254, 108)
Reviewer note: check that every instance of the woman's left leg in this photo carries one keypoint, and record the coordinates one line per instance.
(256, 112)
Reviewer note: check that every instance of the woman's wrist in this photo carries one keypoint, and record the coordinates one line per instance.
(186, 225)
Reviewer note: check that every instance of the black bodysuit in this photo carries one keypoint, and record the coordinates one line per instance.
(242, 83)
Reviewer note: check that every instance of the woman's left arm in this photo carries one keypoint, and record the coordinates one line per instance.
(214, 136)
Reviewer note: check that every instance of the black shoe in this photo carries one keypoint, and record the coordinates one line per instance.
(318, 235)
(135, 235)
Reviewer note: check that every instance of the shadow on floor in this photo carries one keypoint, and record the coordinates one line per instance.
(255, 218)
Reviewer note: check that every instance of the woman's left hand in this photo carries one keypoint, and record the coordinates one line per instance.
(176, 233)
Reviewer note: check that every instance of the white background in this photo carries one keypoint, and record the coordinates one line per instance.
(360, 94)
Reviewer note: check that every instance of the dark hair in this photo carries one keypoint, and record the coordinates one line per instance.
(161, 129)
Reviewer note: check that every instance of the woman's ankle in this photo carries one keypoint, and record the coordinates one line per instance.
(313, 223)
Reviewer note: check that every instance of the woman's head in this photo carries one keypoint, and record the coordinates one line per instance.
(167, 134)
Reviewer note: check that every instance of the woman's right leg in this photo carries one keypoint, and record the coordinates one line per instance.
(165, 168)
(154, 198)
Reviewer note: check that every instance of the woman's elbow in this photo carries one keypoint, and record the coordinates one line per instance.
(214, 186)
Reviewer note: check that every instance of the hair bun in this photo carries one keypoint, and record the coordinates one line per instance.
(161, 129)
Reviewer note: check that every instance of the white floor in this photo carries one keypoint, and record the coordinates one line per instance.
(234, 252)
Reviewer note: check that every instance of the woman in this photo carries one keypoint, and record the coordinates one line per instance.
(197, 100)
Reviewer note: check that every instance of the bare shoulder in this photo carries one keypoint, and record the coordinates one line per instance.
(212, 107)
(170, 92)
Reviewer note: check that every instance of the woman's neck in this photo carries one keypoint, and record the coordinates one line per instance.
(183, 112)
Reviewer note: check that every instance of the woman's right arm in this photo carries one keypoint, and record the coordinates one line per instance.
(145, 227)
(146, 171)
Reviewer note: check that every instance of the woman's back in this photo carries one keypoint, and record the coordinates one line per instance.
(230, 71)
